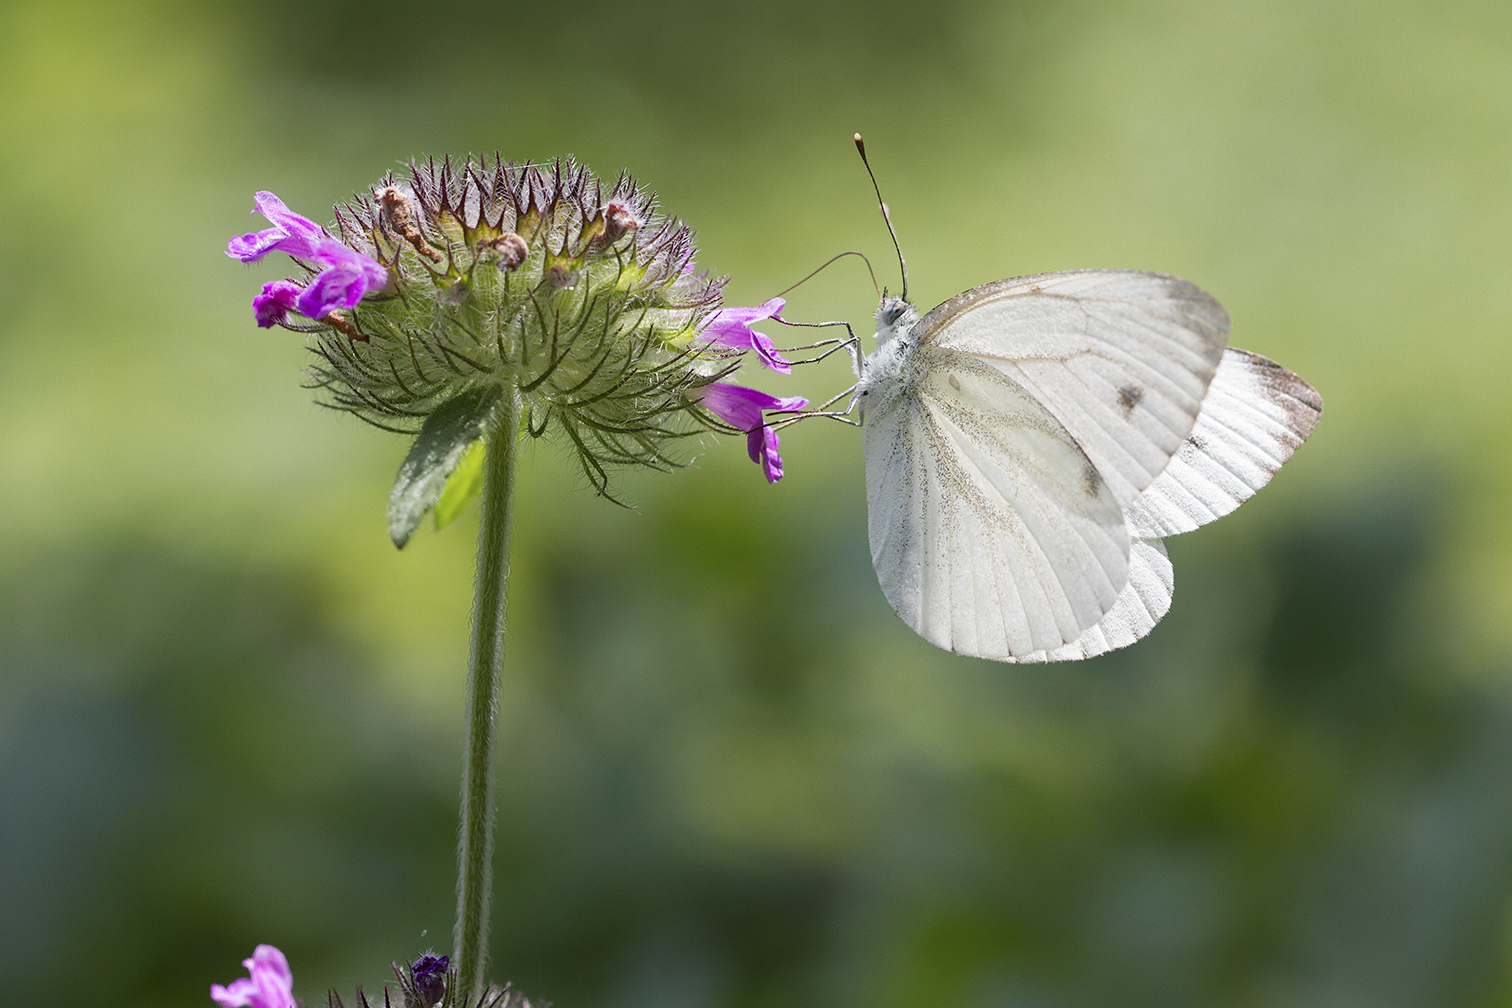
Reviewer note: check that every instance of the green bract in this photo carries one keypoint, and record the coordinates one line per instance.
(524, 281)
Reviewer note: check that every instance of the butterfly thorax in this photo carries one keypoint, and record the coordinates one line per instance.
(887, 370)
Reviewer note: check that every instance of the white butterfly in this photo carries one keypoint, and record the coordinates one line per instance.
(1030, 441)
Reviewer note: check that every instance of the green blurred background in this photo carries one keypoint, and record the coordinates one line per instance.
(230, 710)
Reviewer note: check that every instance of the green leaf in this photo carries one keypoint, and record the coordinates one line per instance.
(438, 449)
(465, 483)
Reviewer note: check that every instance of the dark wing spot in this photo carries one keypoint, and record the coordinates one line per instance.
(1128, 397)
(955, 384)
(1092, 480)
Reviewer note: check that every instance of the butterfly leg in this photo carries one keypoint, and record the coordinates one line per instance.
(823, 411)
(851, 344)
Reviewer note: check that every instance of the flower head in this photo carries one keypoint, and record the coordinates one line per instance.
(731, 327)
(270, 985)
(461, 289)
(742, 408)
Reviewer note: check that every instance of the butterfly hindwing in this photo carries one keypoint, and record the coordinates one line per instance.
(992, 532)
(1143, 603)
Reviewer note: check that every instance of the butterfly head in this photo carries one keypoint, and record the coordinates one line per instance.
(895, 317)
(885, 371)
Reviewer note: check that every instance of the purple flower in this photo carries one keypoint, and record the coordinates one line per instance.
(348, 274)
(271, 984)
(742, 407)
(429, 972)
(273, 304)
(731, 327)
(290, 233)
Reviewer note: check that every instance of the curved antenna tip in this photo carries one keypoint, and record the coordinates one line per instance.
(886, 217)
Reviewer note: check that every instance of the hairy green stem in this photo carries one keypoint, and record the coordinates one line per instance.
(476, 837)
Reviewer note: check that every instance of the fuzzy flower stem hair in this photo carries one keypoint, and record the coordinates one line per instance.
(472, 303)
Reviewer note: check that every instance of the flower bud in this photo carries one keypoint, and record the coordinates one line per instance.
(508, 248)
(618, 219)
(397, 215)
(430, 975)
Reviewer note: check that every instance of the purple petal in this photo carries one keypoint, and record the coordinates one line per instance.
(762, 446)
(270, 972)
(766, 350)
(238, 995)
(273, 304)
(731, 327)
(252, 247)
(271, 984)
(291, 233)
(337, 287)
(742, 407)
(745, 316)
(735, 405)
(348, 276)
(329, 252)
(286, 220)
(430, 965)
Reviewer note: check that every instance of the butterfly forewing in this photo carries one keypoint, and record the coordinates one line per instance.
(992, 532)
(1121, 358)
(1255, 415)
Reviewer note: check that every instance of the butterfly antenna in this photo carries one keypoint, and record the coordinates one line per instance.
(830, 263)
(902, 266)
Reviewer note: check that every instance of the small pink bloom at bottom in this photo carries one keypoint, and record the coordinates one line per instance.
(270, 985)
